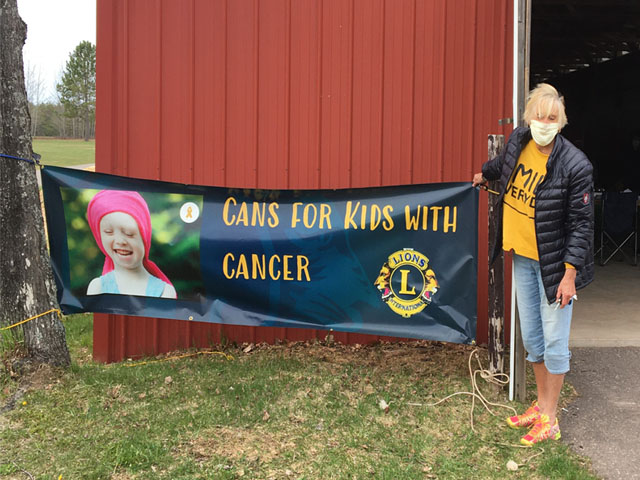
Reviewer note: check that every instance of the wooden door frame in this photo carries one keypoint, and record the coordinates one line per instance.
(521, 72)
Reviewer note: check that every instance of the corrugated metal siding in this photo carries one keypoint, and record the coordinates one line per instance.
(295, 94)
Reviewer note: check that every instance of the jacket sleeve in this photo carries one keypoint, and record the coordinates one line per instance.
(492, 169)
(579, 220)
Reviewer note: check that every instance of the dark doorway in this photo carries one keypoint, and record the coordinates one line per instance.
(590, 51)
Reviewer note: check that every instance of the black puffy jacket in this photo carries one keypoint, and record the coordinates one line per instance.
(563, 209)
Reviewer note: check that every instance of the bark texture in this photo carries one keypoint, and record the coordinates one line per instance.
(496, 276)
(26, 282)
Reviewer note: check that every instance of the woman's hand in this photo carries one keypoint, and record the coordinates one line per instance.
(478, 179)
(567, 287)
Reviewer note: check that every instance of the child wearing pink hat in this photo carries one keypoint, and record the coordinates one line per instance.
(121, 225)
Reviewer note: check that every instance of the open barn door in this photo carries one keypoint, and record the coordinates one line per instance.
(590, 51)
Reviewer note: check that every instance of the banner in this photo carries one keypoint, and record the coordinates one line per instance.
(397, 261)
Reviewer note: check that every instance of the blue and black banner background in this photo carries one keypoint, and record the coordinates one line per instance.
(332, 267)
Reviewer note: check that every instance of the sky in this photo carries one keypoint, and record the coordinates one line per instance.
(54, 29)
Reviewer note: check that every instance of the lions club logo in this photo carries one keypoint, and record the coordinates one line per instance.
(406, 283)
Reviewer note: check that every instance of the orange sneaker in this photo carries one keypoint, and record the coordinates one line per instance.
(526, 419)
(541, 431)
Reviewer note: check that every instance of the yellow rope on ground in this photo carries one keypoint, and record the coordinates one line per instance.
(177, 357)
(57, 310)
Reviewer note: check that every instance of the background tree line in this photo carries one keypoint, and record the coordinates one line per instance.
(71, 113)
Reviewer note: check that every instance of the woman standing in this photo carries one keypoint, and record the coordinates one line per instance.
(546, 219)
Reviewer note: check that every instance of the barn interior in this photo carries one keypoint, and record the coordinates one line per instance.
(590, 50)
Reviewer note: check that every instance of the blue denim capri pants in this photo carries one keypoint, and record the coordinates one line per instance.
(545, 328)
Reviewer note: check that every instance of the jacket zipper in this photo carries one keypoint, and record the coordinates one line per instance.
(535, 193)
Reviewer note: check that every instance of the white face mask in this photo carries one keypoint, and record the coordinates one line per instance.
(544, 133)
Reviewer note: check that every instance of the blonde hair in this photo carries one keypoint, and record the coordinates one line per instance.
(541, 101)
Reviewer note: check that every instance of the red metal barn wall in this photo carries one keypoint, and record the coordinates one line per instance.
(295, 94)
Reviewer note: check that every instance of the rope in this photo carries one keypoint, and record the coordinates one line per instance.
(34, 161)
(177, 357)
(495, 378)
(57, 310)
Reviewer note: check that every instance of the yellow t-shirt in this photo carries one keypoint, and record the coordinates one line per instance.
(518, 228)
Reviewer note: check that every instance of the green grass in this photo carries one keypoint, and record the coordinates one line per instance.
(293, 411)
(63, 153)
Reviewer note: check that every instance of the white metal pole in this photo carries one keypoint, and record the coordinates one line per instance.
(512, 340)
(516, 121)
(516, 63)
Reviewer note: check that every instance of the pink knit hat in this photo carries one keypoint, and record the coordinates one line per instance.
(131, 203)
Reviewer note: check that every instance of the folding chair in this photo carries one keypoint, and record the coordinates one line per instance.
(619, 225)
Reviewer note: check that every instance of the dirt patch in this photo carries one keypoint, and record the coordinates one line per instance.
(419, 355)
(33, 377)
(43, 377)
(121, 476)
(255, 444)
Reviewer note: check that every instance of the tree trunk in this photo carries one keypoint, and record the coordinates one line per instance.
(86, 125)
(26, 282)
(62, 122)
(34, 126)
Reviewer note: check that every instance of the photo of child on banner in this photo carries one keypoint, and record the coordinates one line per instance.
(121, 225)
(131, 242)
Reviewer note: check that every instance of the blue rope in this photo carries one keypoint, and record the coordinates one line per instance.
(34, 162)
